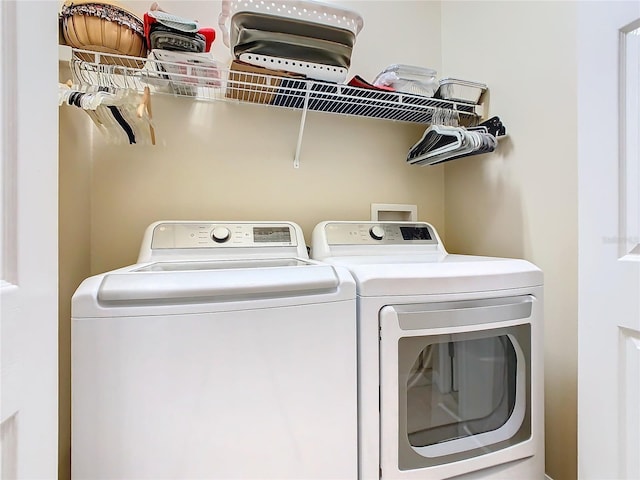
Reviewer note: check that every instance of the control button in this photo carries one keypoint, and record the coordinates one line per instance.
(220, 234)
(376, 232)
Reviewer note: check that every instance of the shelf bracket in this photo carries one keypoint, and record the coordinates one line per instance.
(303, 119)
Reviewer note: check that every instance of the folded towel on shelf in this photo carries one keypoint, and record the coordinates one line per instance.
(163, 30)
(166, 38)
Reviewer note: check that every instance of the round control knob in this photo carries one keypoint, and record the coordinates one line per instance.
(220, 234)
(376, 232)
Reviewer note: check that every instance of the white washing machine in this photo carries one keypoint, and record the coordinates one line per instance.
(450, 355)
(224, 353)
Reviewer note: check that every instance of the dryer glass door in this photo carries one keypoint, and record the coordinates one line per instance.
(461, 381)
(458, 388)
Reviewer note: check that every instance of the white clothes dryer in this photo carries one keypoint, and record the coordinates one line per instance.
(450, 355)
(223, 353)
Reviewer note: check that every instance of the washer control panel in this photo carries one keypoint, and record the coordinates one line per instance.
(372, 233)
(176, 235)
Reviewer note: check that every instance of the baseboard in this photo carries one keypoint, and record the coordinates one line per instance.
(547, 477)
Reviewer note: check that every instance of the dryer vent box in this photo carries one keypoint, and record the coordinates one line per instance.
(393, 212)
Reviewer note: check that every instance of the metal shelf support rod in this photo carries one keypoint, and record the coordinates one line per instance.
(303, 119)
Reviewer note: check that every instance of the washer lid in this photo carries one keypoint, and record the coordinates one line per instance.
(437, 274)
(163, 282)
(184, 287)
(193, 265)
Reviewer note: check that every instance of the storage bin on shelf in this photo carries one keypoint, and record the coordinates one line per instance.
(299, 36)
(409, 79)
(461, 90)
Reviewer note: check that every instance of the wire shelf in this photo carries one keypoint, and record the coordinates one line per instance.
(210, 82)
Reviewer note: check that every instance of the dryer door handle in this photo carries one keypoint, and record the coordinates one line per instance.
(463, 313)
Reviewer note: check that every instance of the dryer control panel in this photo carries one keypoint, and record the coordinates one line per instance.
(372, 233)
(340, 238)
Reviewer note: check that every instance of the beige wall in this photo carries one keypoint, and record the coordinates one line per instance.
(522, 201)
(236, 162)
(230, 161)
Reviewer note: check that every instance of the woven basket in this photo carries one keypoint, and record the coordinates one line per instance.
(102, 27)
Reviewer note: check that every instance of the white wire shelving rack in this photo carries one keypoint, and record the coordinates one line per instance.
(210, 82)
